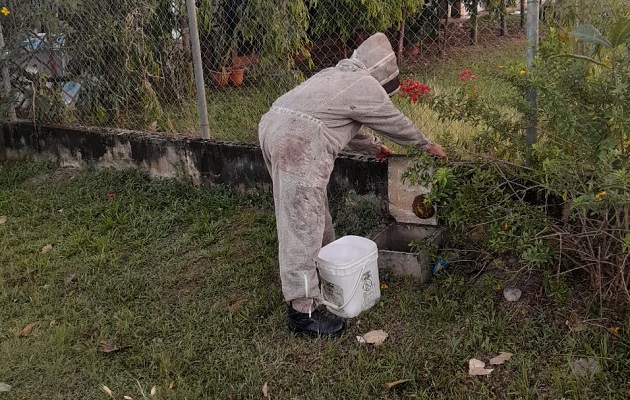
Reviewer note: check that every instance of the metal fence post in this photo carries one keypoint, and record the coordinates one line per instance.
(6, 78)
(197, 64)
(533, 7)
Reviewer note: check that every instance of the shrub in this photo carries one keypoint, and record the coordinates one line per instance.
(566, 200)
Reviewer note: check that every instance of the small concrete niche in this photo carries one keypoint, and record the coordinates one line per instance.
(395, 253)
(393, 242)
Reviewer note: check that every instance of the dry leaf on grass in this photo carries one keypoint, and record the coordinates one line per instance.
(127, 397)
(501, 358)
(107, 346)
(171, 385)
(26, 331)
(5, 387)
(477, 368)
(47, 248)
(265, 390)
(574, 322)
(374, 337)
(390, 385)
(153, 391)
(237, 305)
(108, 391)
(3, 219)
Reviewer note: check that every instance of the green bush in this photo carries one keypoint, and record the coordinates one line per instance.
(564, 202)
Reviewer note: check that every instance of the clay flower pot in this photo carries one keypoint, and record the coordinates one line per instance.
(236, 76)
(220, 78)
(413, 49)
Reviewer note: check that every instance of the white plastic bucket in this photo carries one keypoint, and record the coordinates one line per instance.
(348, 272)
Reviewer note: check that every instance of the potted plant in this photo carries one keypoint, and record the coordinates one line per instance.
(220, 51)
(237, 74)
(218, 33)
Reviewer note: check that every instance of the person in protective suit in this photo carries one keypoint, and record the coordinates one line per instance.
(300, 137)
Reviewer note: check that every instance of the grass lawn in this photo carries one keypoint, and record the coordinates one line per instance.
(183, 284)
(234, 113)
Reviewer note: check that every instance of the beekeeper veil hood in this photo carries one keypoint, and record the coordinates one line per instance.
(377, 55)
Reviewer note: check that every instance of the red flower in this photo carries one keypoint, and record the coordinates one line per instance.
(413, 89)
(467, 75)
(111, 195)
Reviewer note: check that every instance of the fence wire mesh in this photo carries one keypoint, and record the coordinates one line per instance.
(128, 63)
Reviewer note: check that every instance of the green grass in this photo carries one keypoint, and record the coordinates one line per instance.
(185, 282)
(234, 113)
(488, 63)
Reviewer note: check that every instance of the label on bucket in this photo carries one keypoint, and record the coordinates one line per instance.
(369, 294)
(332, 293)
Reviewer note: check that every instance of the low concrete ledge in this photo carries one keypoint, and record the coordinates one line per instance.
(205, 162)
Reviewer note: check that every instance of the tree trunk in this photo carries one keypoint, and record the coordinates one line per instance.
(503, 28)
(447, 11)
(473, 23)
(186, 46)
(401, 37)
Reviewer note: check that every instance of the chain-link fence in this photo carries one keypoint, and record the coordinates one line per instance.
(129, 63)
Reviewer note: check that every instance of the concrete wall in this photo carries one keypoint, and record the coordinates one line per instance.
(204, 162)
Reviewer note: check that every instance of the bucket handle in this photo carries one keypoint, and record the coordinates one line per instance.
(356, 286)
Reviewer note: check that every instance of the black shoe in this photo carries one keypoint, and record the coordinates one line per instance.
(315, 325)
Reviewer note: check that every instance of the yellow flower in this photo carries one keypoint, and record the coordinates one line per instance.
(614, 329)
(5, 11)
(599, 196)
(523, 72)
(384, 286)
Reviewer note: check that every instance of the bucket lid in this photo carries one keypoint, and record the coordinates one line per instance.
(346, 250)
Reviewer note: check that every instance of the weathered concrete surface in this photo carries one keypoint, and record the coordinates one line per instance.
(204, 162)
(402, 194)
(210, 162)
(395, 253)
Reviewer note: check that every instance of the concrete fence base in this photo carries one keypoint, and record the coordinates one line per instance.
(204, 162)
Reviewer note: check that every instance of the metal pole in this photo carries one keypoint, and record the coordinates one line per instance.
(199, 81)
(6, 78)
(533, 7)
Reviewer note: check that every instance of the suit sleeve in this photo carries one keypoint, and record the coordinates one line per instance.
(365, 143)
(379, 113)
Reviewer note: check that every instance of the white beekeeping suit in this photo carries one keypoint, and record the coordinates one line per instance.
(300, 138)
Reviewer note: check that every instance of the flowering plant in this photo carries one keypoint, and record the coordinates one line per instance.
(413, 90)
